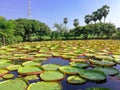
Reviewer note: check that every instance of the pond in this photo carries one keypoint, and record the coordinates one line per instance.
(110, 82)
(68, 65)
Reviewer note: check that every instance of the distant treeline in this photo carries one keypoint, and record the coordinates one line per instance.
(22, 30)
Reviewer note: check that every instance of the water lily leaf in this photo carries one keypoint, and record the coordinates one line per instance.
(79, 64)
(31, 63)
(8, 76)
(75, 79)
(31, 77)
(14, 67)
(102, 63)
(45, 86)
(39, 59)
(51, 76)
(93, 75)
(69, 70)
(5, 64)
(108, 70)
(16, 84)
(3, 72)
(29, 70)
(50, 66)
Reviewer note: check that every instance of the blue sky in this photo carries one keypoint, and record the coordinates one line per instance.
(53, 11)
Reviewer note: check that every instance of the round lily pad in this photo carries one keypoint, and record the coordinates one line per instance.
(31, 63)
(8, 76)
(31, 77)
(108, 70)
(78, 60)
(50, 66)
(13, 67)
(16, 84)
(45, 86)
(5, 64)
(93, 75)
(51, 76)
(43, 55)
(39, 59)
(79, 64)
(29, 70)
(102, 63)
(3, 72)
(69, 70)
(75, 79)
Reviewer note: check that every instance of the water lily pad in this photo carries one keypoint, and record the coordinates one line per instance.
(29, 70)
(104, 57)
(43, 55)
(93, 75)
(45, 86)
(16, 84)
(31, 77)
(98, 88)
(5, 64)
(75, 79)
(69, 70)
(51, 76)
(78, 60)
(50, 66)
(3, 72)
(102, 63)
(39, 59)
(31, 63)
(108, 70)
(79, 64)
(14, 67)
(8, 76)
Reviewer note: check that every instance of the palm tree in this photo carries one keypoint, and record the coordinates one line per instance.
(105, 11)
(100, 14)
(65, 21)
(95, 16)
(75, 22)
(88, 19)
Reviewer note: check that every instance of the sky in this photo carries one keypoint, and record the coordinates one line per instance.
(53, 11)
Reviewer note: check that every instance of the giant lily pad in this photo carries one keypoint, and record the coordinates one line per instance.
(50, 66)
(75, 79)
(51, 76)
(93, 75)
(3, 72)
(78, 60)
(13, 67)
(4, 64)
(39, 59)
(31, 63)
(31, 77)
(79, 64)
(102, 63)
(29, 70)
(45, 86)
(8, 76)
(17, 84)
(108, 70)
(69, 69)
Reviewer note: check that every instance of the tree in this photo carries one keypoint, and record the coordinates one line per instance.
(65, 21)
(27, 27)
(95, 16)
(6, 29)
(105, 12)
(88, 19)
(75, 22)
